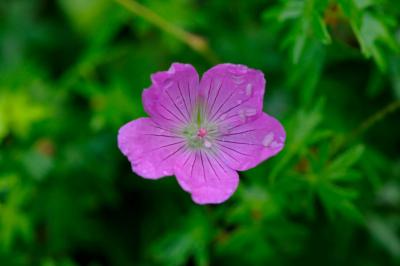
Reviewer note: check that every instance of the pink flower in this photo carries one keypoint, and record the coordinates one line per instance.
(202, 132)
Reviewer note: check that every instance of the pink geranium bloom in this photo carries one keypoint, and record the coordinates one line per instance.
(202, 132)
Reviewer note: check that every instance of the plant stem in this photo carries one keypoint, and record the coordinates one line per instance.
(374, 118)
(197, 43)
(368, 123)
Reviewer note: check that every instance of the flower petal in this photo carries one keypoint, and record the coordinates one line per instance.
(245, 145)
(151, 149)
(233, 94)
(207, 178)
(172, 95)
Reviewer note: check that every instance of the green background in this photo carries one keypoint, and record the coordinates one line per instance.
(72, 73)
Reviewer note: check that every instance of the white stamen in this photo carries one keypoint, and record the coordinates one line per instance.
(207, 144)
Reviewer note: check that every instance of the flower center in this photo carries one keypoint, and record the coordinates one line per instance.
(199, 137)
(202, 132)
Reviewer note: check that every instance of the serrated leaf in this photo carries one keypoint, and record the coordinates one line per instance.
(298, 47)
(345, 160)
(303, 124)
(336, 200)
(333, 193)
(362, 4)
(349, 210)
(371, 31)
(18, 113)
(291, 10)
(14, 222)
(345, 175)
(320, 29)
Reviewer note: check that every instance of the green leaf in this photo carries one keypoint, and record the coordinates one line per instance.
(291, 10)
(345, 175)
(346, 160)
(337, 200)
(363, 4)
(178, 245)
(298, 48)
(394, 69)
(320, 29)
(350, 211)
(303, 123)
(246, 238)
(14, 221)
(18, 113)
(385, 233)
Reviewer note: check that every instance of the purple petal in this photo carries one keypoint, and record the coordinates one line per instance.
(245, 145)
(151, 149)
(206, 177)
(172, 95)
(233, 94)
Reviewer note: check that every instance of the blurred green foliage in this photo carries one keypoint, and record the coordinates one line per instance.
(72, 72)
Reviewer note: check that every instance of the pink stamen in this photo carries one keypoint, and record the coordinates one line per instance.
(202, 132)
